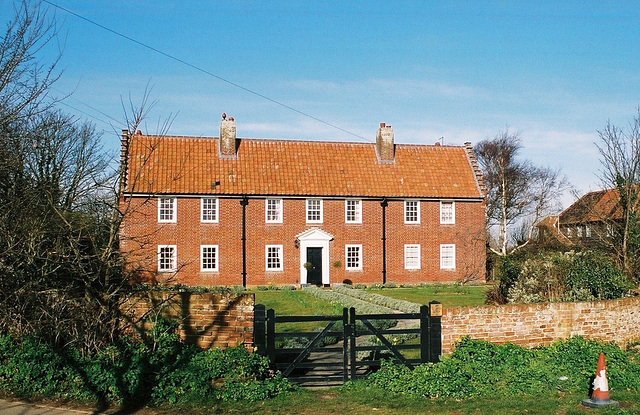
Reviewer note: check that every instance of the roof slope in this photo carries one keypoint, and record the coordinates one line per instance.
(593, 207)
(190, 165)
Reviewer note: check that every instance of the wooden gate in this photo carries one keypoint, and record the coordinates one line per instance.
(349, 345)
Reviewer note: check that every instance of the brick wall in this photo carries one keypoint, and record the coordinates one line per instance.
(141, 234)
(205, 319)
(534, 325)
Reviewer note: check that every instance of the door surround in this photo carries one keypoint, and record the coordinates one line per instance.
(314, 238)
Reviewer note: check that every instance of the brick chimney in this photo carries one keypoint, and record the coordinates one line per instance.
(385, 149)
(227, 142)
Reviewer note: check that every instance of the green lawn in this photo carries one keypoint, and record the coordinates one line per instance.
(295, 303)
(360, 400)
(449, 295)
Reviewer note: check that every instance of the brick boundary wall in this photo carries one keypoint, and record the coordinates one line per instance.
(532, 325)
(205, 319)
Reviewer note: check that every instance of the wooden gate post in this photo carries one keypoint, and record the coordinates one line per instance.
(346, 335)
(435, 331)
(352, 341)
(271, 335)
(424, 333)
(259, 333)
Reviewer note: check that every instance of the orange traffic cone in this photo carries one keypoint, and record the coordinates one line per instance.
(600, 395)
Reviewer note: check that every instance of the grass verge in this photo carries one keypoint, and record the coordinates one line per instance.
(454, 295)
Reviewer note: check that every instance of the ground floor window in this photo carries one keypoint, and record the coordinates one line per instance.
(209, 257)
(412, 256)
(273, 254)
(167, 258)
(353, 258)
(447, 256)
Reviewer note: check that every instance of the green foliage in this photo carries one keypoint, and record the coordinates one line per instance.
(479, 368)
(159, 370)
(582, 276)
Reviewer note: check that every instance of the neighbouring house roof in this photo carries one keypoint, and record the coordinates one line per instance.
(191, 165)
(593, 207)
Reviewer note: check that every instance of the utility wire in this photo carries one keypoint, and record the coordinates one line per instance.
(197, 68)
(89, 106)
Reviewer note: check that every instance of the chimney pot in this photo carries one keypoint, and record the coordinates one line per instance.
(382, 125)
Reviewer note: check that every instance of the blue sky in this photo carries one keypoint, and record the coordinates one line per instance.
(555, 71)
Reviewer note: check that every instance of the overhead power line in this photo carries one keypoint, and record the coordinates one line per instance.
(200, 69)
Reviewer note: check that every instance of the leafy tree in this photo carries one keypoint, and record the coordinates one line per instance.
(620, 159)
(519, 194)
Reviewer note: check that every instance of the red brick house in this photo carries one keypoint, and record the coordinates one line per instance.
(238, 211)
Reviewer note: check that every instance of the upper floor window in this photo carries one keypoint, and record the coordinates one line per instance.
(353, 211)
(167, 258)
(273, 255)
(412, 256)
(353, 258)
(273, 211)
(209, 210)
(579, 231)
(587, 231)
(447, 256)
(167, 209)
(447, 212)
(208, 258)
(411, 211)
(314, 210)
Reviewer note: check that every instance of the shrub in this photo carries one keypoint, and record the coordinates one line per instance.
(583, 276)
(478, 368)
(160, 370)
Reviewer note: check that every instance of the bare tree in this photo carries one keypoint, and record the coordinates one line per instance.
(24, 79)
(620, 160)
(519, 193)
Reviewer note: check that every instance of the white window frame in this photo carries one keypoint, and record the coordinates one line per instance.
(412, 256)
(207, 210)
(407, 203)
(578, 231)
(358, 248)
(173, 264)
(444, 220)
(166, 210)
(271, 216)
(357, 210)
(569, 232)
(447, 261)
(279, 256)
(318, 209)
(587, 231)
(216, 258)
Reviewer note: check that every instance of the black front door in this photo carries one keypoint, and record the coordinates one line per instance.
(314, 266)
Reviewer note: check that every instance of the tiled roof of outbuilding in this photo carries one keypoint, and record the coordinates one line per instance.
(191, 165)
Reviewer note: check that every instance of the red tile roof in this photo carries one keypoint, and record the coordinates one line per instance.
(593, 207)
(190, 165)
